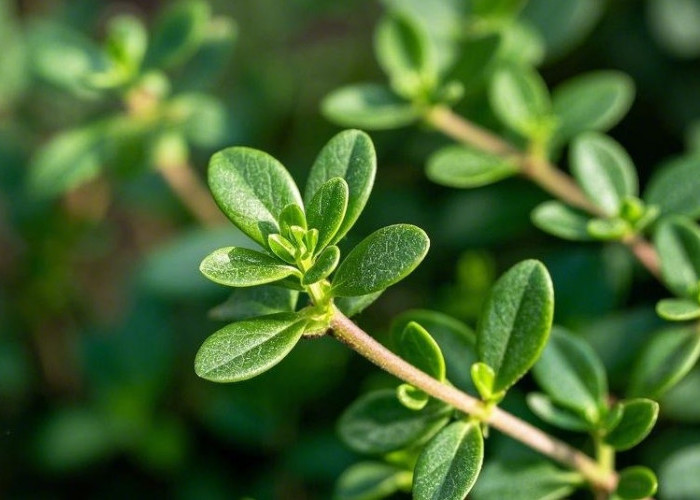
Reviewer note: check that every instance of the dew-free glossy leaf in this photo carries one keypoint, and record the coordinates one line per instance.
(571, 373)
(449, 464)
(483, 377)
(350, 306)
(668, 356)
(677, 241)
(247, 348)
(412, 397)
(327, 208)
(593, 101)
(555, 218)
(371, 480)
(542, 406)
(516, 322)
(369, 106)
(678, 309)
(538, 480)
(675, 186)
(255, 301)
(325, 264)
(467, 167)
(292, 215)
(251, 188)
(638, 418)
(604, 171)
(636, 482)
(378, 423)
(349, 155)
(383, 258)
(178, 32)
(415, 345)
(235, 266)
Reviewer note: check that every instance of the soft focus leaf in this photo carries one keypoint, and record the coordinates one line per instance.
(203, 118)
(350, 306)
(678, 476)
(250, 302)
(327, 209)
(178, 32)
(677, 241)
(537, 480)
(466, 167)
(636, 482)
(678, 309)
(555, 218)
(673, 23)
(542, 406)
(369, 106)
(371, 481)
(232, 266)
(674, 187)
(638, 419)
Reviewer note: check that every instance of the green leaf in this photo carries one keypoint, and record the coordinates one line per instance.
(234, 266)
(675, 186)
(350, 306)
(555, 218)
(665, 360)
(608, 229)
(636, 482)
(245, 349)
(383, 258)
(498, 9)
(412, 397)
(604, 171)
(571, 373)
(127, 40)
(673, 24)
(325, 264)
(638, 419)
(678, 309)
(542, 406)
(327, 209)
(250, 302)
(476, 57)
(679, 474)
(369, 106)
(178, 33)
(370, 481)
(534, 480)
(483, 377)
(467, 167)
(203, 119)
(251, 188)
(516, 322)
(378, 423)
(292, 215)
(677, 241)
(349, 155)
(415, 345)
(449, 464)
(593, 101)
(519, 98)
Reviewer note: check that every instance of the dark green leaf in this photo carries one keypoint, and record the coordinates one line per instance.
(677, 240)
(679, 474)
(678, 309)
(542, 406)
(350, 306)
(371, 481)
(516, 322)
(636, 482)
(449, 464)
(675, 186)
(604, 170)
(638, 418)
(233, 266)
(325, 264)
(245, 349)
(378, 423)
(383, 258)
(327, 209)
(178, 33)
(525, 481)
(250, 302)
(415, 345)
(369, 106)
(251, 188)
(665, 360)
(555, 218)
(593, 101)
(475, 59)
(466, 167)
(497, 9)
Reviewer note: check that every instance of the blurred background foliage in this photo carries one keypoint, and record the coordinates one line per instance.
(102, 307)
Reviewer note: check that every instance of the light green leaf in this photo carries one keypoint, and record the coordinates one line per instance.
(608, 229)
(178, 33)
(412, 397)
(536, 480)
(349, 155)
(497, 9)
(636, 482)
(234, 266)
(483, 377)
(371, 481)
(675, 186)
(638, 419)
(678, 309)
(126, 43)
(325, 264)
(571, 373)
(604, 171)
(292, 215)
(203, 119)
(383, 258)
(378, 423)
(369, 106)
(555, 218)
(467, 167)
(415, 345)
(245, 349)
(350, 306)
(449, 464)
(327, 209)
(519, 97)
(521, 44)
(674, 24)
(251, 188)
(679, 478)
(516, 322)
(256, 301)
(593, 101)
(677, 241)
(665, 360)
(542, 406)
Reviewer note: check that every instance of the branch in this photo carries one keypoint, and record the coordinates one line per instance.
(357, 339)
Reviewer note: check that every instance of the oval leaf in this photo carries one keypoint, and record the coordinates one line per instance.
(251, 188)
(636, 482)
(383, 258)
(466, 167)
(679, 474)
(525, 480)
(449, 464)
(327, 209)
(555, 218)
(638, 419)
(678, 309)
(245, 349)
(368, 480)
(350, 306)
(675, 186)
(604, 171)
(369, 106)
(415, 345)
(516, 322)
(677, 240)
(547, 410)
(235, 266)
(349, 155)
(247, 303)
(325, 264)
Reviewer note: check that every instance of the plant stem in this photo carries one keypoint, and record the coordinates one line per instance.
(358, 340)
(539, 170)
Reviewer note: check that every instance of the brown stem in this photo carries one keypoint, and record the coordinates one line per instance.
(358, 340)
